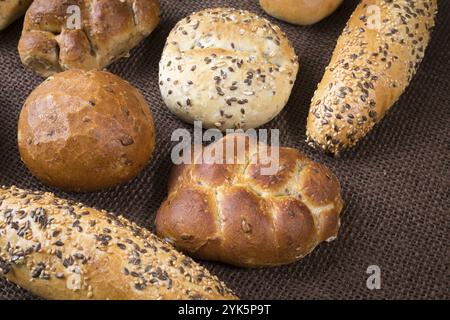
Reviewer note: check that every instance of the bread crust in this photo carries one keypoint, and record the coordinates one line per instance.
(369, 70)
(234, 214)
(228, 68)
(62, 250)
(10, 10)
(85, 131)
(109, 30)
(302, 12)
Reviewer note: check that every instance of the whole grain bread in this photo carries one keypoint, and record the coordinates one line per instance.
(59, 249)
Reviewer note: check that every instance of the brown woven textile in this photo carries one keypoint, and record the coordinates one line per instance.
(395, 183)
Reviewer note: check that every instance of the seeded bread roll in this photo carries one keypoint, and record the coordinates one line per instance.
(303, 12)
(228, 68)
(85, 131)
(371, 67)
(10, 10)
(236, 214)
(62, 250)
(52, 42)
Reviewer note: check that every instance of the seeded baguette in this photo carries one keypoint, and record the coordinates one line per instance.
(370, 68)
(10, 10)
(59, 249)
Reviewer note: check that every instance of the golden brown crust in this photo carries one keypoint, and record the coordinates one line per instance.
(109, 30)
(10, 10)
(370, 68)
(302, 12)
(233, 213)
(58, 249)
(228, 68)
(81, 124)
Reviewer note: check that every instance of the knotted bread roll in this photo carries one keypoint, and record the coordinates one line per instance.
(64, 250)
(236, 214)
(375, 59)
(51, 42)
(227, 68)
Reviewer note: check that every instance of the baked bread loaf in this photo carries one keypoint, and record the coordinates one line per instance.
(85, 131)
(63, 250)
(235, 214)
(303, 12)
(227, 68)
(52, 42)
(10, 10)
(374, 61)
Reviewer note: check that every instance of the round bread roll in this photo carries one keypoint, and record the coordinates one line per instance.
(85, 131)
(303, 12)
(227, 68)
(62, 35)
(370, 69)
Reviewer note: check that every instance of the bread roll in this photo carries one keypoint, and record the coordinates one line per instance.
(10, 10)
(62, 250)
(85, 131)
(303, 12)
(371, 67)
(227, 68)
(235, 214)
(52, 42)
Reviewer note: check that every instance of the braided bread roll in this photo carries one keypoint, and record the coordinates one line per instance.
(109, 30)
(372, 65)
(235, 214)
(228, 68)
(62, 250)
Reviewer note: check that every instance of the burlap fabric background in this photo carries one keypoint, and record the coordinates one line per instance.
(395, 183)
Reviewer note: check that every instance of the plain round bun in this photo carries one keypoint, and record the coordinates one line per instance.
(227, 68)
(303, 12)
(85, 131)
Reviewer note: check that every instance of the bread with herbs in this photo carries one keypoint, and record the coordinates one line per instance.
(373, 63)
(60, 249)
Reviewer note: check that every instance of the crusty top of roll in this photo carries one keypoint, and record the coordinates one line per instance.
(109, 30)
(10, 10)
(303, 12)
(369, 70)
(60, 249)
(228, 68)
(235, 213)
